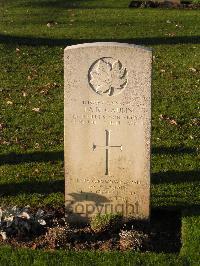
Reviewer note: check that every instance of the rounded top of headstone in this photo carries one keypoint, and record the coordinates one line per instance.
(108, 44)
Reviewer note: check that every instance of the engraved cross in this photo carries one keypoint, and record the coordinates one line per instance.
(107, 147)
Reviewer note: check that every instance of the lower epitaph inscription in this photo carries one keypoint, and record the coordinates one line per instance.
(107, 130)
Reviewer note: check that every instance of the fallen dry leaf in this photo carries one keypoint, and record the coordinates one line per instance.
(2, 126)
(192, 69)
(3, 142)
(51, 23)
(23, 146)
(9, 102)
(44, 92)
(37, 109)
(37, 145)
(16, 140)
(171, 34)
(24, 93)
(171, 121)
(196, 122)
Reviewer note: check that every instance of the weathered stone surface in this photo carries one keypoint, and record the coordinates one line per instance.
(107, 130)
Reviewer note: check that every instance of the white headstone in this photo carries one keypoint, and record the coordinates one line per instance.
(107, 128)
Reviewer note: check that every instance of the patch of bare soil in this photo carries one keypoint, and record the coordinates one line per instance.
(161, 234)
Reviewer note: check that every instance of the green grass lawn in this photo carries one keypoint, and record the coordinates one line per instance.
(31, 90)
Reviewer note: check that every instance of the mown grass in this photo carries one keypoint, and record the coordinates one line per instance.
(30, 257)
(31, 77)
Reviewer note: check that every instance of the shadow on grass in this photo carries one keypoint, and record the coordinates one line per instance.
(177, 205)
(192, 212)
(13, 158)
(175, 177)
(43, 187)
(73, 4)
(176, 150)
(51, 156)
(39, 41)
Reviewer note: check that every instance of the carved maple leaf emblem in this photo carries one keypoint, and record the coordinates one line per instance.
(107, 76)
